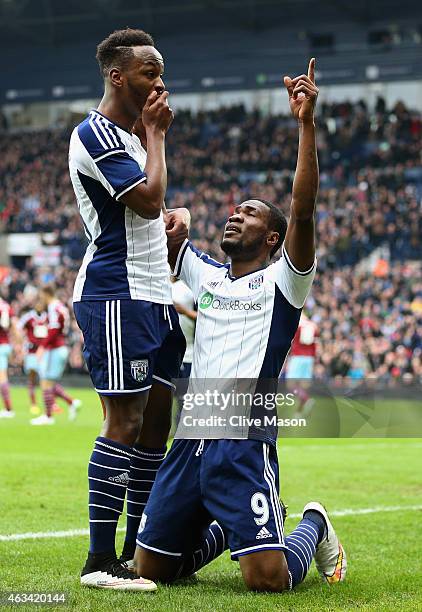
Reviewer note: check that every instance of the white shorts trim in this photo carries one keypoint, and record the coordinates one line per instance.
(120, 391)
(269, 477)
(163, 552)
(250, 549)
(164, 381)
(114, 345)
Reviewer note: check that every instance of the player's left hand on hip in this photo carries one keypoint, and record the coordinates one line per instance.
(303, 94)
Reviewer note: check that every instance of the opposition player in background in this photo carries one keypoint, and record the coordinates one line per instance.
(7, 329)
(248, 313)
(300, 363)
(52, 354)
(133, 345)
(33, 325)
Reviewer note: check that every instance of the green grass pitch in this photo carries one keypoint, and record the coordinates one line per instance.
(43, 488)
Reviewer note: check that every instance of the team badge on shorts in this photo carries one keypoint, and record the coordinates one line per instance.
(139, 369)
(256, 282)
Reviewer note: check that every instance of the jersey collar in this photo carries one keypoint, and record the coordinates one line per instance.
(94, 110)
(235, 278)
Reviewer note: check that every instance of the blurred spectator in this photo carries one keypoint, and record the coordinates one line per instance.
(370, 197)
(367, 324)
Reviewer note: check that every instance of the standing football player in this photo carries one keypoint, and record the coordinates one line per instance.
(7, 328)
(34, 327)
(133, 345)
(248, 313)
(52, 354)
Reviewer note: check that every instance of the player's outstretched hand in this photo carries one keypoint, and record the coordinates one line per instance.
(303, 94)
(156, 112)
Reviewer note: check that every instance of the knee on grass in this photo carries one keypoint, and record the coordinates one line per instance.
(155, 566)
(265, 571)
(268, 580)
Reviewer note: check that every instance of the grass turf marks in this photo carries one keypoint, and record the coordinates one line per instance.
(43, 488)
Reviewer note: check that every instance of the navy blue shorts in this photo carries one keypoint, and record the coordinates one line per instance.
(234, 482)
(128, 344)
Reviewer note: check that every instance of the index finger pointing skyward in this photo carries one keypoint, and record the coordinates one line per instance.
(289, 85)
(311, 70)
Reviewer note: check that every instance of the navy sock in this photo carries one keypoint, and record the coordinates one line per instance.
(317, 519)
(108, 475)
(211, 545)
(144, 465)
(302, 543)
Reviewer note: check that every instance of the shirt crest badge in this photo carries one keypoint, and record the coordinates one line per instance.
(256, 282)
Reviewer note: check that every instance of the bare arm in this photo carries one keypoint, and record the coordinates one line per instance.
(300, 236)
(15, 331)
(191, 314)
(139, 130)
(147, 198)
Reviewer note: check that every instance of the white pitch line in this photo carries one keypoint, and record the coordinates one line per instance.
(34, 535)
(355, 511)
(83, 532)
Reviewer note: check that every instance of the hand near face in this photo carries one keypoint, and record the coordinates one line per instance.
(156, 113)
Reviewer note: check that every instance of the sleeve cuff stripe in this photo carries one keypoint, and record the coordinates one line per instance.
(292, 267)
(179, 261)
(138, 180)
(113, 152)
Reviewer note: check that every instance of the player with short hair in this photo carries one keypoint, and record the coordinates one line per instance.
(133, 345)
(33, 325)
(52, 354)
(248, 313)
(7, 327)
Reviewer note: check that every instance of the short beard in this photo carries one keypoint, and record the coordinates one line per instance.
(231, 248)
(238, 250)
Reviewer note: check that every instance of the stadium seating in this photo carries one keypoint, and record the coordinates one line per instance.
(369, 207)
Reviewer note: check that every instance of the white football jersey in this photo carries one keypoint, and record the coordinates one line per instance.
(245, 325)
(127, 255)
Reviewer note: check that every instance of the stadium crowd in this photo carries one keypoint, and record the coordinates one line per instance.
(370, 196)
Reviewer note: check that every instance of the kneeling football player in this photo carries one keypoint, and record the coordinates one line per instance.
(213, 494)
